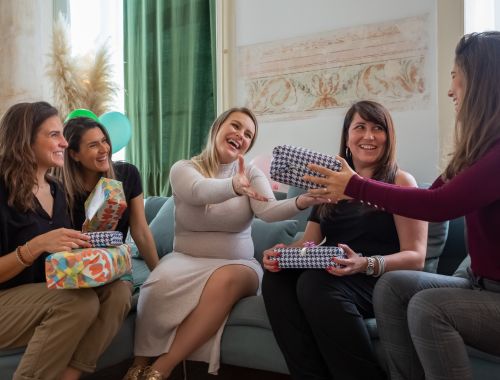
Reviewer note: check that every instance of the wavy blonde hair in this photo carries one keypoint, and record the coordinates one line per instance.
(208, 161)
(18, 165)
(477, 126)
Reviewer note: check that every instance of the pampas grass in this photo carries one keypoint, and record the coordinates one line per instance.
(99, 89)
(79, 82)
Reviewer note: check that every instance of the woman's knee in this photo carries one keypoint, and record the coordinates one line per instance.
(311, 287)
(425, 307)
(234, 281)
(80, 305)
(396, 287)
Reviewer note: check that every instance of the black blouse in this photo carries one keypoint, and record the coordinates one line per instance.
(363, 228)
(16, 228)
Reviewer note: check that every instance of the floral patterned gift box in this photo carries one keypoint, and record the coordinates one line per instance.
(87, 267)
(104, 206)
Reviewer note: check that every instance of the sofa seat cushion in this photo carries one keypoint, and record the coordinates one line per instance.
(475, 353)
(249, 311)
(12, 351)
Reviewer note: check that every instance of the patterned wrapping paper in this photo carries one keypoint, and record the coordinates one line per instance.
(308, 257)
(104, 206)
(105, 238)
(87, 267)
(289, 165)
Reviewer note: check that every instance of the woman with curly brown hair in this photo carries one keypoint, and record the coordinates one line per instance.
(64, 331)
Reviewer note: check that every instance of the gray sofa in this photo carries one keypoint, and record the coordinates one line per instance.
(248, 340)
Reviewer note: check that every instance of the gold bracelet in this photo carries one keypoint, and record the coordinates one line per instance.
(20, 258)
(29, 252)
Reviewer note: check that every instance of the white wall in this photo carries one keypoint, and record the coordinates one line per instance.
(26, 29)
(259, 21)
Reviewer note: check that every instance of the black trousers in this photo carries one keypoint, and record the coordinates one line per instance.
(317, 319)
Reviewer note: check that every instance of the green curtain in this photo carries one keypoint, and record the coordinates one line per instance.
(169, 83)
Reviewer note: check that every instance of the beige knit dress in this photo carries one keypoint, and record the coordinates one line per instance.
(212, 229)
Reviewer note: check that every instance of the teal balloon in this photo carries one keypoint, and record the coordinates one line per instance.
(118, 127)
(81, 112)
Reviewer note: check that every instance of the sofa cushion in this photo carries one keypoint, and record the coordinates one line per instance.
(436, 239)
(265, 235)
(249, 311)
(152, 205)
(303, 215)
(461, 271)
(162, 228)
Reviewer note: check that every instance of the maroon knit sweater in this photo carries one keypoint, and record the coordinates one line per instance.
(473, 193)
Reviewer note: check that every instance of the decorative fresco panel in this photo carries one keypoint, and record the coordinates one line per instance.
(385, 62)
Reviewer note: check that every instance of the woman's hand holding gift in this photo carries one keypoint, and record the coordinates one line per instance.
(272, 265)
(333, 183)
(346, 267)
(62, 239)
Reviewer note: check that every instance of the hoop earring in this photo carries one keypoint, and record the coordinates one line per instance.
(348, 154)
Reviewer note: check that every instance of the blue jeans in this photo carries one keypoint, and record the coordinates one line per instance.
(425, 321)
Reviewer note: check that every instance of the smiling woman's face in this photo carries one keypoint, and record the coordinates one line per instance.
(49, 144)
(94, 151)
(457, 87)
(366, 141)
(234, 137)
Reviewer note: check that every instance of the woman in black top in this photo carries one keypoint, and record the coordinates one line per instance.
(65, 331)
(87, 159)
(316, 315)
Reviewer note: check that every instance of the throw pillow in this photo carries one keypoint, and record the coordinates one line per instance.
(162, 228)
(303, 215)
(265, 235)
(152, 205)
(462, 268)
(436, 239)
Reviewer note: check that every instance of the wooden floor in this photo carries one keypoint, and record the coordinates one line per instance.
(195, 371)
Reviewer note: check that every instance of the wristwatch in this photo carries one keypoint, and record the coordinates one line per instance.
(370, 269)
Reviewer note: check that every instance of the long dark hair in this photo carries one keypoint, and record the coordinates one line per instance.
(374, 112)
(74, 129)
(18, 130)
(387, 167)
(477, 126)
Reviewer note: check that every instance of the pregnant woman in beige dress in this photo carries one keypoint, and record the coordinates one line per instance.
(185, 301)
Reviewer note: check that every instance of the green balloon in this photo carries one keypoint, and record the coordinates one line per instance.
(81, 112)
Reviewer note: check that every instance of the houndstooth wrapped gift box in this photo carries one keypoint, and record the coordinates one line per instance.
(308, 257)
(105, 238)
(289, 165)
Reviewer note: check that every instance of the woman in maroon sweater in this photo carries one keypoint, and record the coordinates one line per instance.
(426, 320)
